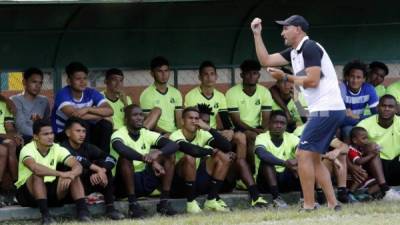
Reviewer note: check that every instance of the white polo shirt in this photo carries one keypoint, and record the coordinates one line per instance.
(326, 96)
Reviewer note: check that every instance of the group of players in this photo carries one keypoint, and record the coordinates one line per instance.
(259, 139)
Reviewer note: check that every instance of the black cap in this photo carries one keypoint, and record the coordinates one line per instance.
(295, 20)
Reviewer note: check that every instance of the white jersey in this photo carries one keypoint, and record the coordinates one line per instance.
(326, 96)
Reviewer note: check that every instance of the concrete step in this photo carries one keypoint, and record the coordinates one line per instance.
(236, 200)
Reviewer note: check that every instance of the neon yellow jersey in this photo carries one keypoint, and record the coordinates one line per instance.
(217, 102)
(56, 155)
(394, 89)
(118, 108)
(168, 102)
(202, 139)
(292, 109)
(388, 139)
(380, 91)
(249, 107)
(299, 130)
(5, 116)
(285, 151)
(143, 144)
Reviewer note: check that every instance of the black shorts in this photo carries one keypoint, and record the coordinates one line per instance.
(287, 181)
(145, 183)
(202, 183)
(26, 199)
(391, 169)
(1, 140)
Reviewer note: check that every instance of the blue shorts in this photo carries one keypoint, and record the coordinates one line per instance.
(320, 129)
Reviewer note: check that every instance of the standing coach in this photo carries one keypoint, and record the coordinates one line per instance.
(316, 76)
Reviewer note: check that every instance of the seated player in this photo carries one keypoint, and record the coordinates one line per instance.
(162, 95)
(146, 160)
(118, 100)
(238, 170)
(358, 95)
(196, 139)
(276, 160)
(249, 105)
(10, 142)
(41, 182)
(76, 99)
(97, 165)
(365, 155)
(30, 105)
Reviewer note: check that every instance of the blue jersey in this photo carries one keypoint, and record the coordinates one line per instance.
(90, 97)
(357, 102)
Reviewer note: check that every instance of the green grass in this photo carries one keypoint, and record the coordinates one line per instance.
(368, 213)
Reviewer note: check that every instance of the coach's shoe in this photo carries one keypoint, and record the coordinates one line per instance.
(193, 207)
(114, 214)
(260, 202)
(214, 205)
(165, 208)
(47, 219)
(391, 195)
(136, 211)
(279, 203)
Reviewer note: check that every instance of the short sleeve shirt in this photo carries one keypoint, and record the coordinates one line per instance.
(168, 102)
(90, 97)
(202, 139)
(249, 107)
(387, 138)
(394, 89)
(5, 116)
(217, 102)
(56, 155)
(285, 151)
(118, 108)
(147, 139)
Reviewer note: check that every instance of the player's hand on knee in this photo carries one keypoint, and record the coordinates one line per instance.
(67, 175)
(158, 169)
(95, 179)
(64, 184)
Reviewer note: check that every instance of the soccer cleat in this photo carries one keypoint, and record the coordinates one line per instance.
(214, 205)
(260, 202)
(193, 207)
(279, 203)
(391, 195)
(337, 208)
(165, 208)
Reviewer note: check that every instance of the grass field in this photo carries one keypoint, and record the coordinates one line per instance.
(367, 213)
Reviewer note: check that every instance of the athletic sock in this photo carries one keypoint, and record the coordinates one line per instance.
(81, 206)
(190, 190)
(274, 191)
(384, 187)
(131, 200)
(215, 187)
(253, 191)
(164, 196)
(42, 204)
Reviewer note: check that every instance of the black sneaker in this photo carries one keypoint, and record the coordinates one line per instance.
(165, 208)
(47, 219)
(115, 214)
(136, 211)
(84, 216)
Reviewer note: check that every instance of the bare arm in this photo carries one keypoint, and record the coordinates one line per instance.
(103, 110)
(178, 118)
(265, 119)
(311, 80)
(76, 168)
(39, 169)
(263, 56)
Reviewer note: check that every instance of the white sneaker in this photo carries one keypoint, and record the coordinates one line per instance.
(391, 195)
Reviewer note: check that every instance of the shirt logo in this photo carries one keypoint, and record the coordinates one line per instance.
(258, 102)
(1, 112)
(172, 100)
(216, 105)
(304, 142)
(52, 162)
(143, 147)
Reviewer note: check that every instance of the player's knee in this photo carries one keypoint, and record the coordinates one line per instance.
(239, 138)
(189, 161)
(3, 151)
